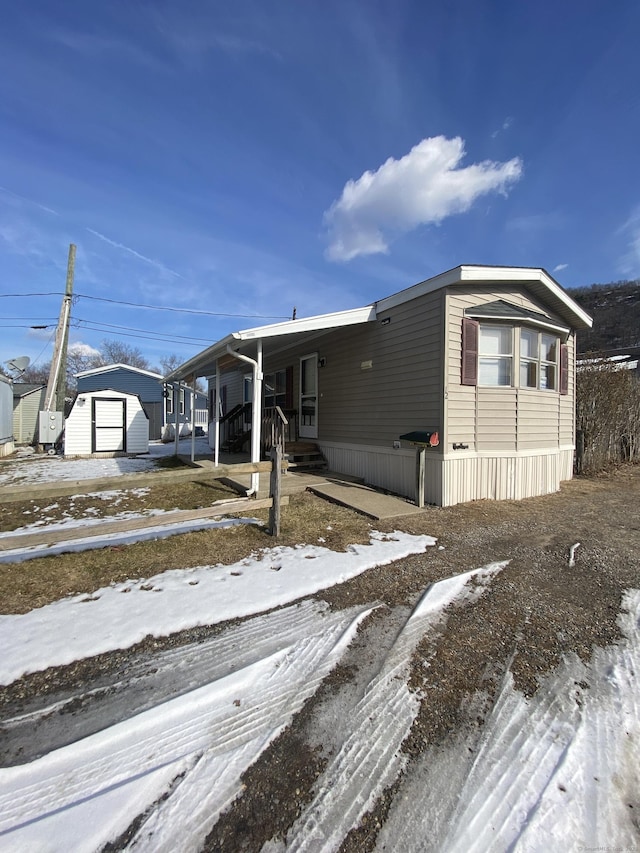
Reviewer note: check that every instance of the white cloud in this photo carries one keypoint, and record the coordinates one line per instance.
(82, 349)
(425, 186)
(560, 267)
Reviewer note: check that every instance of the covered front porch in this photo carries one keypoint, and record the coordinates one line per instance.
(265, 416)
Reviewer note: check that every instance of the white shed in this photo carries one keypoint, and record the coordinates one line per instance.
(106, 422)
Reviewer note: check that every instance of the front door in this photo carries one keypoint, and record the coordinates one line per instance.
(309, 396)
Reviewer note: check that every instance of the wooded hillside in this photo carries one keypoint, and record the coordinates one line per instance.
(615, 308)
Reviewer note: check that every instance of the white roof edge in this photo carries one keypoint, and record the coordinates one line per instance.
(480, 274)
(108, 367)
(319, 322)
(350, 317)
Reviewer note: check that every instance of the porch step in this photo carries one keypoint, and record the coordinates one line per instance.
(304, 456)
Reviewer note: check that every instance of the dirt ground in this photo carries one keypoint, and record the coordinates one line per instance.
(540, 608)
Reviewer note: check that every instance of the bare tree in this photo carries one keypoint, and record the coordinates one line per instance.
(116, 352)
(607, 415)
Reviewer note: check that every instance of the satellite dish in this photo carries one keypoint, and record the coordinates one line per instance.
(19, 365)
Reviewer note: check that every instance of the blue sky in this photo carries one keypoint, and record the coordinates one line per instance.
(245, 158)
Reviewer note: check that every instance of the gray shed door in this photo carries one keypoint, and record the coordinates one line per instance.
(109, 419)
(154, 412)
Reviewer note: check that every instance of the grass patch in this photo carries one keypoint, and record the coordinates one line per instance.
(306, 520)
(191, 495)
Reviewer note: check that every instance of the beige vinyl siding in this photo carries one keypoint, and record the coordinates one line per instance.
(500, 419)
(400, 392)
(538, 419)
(496, 419)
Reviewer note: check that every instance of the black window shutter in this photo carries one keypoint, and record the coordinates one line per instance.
(564, 369)
(469, 351)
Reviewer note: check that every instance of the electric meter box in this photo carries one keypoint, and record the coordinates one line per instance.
(50, 427)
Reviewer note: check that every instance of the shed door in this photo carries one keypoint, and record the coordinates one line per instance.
(108, 419)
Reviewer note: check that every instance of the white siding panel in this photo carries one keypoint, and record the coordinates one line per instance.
(393, 470)
(79, 427)
(503, 477)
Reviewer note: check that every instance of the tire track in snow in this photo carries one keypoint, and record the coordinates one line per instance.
(155, 680)
(564, 764)
(231, 720)
(369, 760)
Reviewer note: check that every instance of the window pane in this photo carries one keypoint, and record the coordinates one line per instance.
(528, 344)
(548, 377)
(528, 374)
(495, 340)
(549, 348)
(495, 371)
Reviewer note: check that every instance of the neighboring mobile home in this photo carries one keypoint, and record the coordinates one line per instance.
(162, 406)
(6, 417)
(106, 423)
(482, 356)
(28, 401)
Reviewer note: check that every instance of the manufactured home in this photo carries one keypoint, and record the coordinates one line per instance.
(480, 361)
(28, 402)
(106, 423)
(6, 417)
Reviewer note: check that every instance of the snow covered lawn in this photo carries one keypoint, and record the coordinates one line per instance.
(558, 771)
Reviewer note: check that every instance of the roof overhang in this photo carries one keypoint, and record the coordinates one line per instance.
(273, 337)
(535, 279)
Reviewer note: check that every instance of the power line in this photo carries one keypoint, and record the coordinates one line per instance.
(148, 337)
(182, 310)
(155, 307)
(93, 326)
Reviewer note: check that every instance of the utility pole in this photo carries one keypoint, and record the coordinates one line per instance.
(54, 399)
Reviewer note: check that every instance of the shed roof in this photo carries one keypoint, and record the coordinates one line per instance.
(22, 389)
(109, 368)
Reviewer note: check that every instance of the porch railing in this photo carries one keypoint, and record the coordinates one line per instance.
(278, 427)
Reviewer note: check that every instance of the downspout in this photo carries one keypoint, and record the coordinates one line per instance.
(216, 420)
(256, 414)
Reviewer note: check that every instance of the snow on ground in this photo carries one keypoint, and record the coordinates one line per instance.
(46, 469)
(123, 614)
(182, 760)
(97, 539)
(560, 771)
(557, 772)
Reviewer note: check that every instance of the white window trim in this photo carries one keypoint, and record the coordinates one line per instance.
(517, 360)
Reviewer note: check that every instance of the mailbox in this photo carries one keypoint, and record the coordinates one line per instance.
(421, 438)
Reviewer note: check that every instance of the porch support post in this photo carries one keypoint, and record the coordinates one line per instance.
(176, 404)
(216, 419)
(193, 418)
(256, 415)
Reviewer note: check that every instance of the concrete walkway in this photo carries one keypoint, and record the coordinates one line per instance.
(365, 500)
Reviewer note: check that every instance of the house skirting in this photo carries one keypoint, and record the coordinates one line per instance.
(455, 479)
(6, 447)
